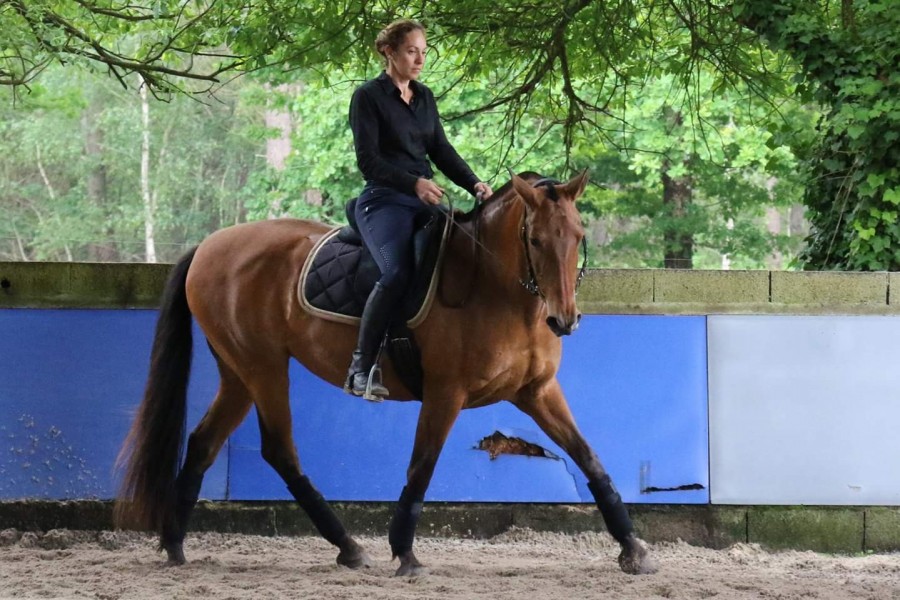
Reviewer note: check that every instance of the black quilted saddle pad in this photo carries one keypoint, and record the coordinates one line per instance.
(341, 273)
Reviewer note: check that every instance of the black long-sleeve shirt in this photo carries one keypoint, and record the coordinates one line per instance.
(394, 140)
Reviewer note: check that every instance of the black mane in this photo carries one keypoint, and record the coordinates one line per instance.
(503, 192)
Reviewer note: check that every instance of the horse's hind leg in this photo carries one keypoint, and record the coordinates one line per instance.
(229, 408)
(278, 449)
(549, 409)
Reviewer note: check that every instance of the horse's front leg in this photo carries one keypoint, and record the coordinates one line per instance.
(549, 409)
(436, 418)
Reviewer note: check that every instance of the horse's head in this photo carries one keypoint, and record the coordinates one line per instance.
(552, 234)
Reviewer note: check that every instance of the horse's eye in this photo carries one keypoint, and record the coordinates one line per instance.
(535, 242)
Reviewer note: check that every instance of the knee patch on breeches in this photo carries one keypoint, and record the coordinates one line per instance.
(396, 274)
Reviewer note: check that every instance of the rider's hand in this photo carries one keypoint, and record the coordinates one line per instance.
(483, 191)
(428, 191)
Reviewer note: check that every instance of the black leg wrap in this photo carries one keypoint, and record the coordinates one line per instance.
(403, 525)
(187, 490)
(321, 515)
(611, 507)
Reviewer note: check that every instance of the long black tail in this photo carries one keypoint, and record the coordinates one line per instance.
(151, 454)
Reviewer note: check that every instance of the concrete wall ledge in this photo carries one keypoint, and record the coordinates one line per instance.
(659, 291)
(81, 285)
(823, 529)
(604, 291)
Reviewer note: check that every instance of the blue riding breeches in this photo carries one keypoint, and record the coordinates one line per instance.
(386, 219)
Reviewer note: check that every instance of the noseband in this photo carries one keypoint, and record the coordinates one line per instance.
(532, 284)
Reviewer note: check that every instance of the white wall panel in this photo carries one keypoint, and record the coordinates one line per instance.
(804, 410)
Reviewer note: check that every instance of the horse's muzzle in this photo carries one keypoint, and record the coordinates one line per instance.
(563, 327)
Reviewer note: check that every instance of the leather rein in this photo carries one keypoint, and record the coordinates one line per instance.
(531, 285)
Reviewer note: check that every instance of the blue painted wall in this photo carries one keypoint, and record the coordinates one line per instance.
(71, 379)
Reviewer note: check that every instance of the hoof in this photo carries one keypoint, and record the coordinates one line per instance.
(410, 567)
(175, 553)
(635, 559)
(354, 557)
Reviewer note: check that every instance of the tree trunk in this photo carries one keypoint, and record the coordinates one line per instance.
(848, 15)
(279, 148)
(774, 225)
(679, 245)
(147, 197)
(51, 193)
(678, 250)
(314, 197)
(96, 183)
(20, 246)
(797, 225)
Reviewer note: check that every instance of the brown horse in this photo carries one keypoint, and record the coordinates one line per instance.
(240, 285)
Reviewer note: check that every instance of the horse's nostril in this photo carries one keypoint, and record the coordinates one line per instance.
(555, 325)
(562, 327)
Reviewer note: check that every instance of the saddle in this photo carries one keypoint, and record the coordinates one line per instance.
(340, 273)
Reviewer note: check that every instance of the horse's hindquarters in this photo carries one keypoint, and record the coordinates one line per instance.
(241, 286)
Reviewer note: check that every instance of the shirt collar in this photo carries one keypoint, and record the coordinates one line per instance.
(387, 84)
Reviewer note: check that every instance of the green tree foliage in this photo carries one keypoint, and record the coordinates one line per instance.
(521, 47)
(723, 144)
(848, 53)
(165, 41)
(61, 201)
(714, 149)
(323, 157)
(546, 85)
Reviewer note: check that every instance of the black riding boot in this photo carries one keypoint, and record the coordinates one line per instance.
(375, 318)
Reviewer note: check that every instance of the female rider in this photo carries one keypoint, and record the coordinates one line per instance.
(396, 129)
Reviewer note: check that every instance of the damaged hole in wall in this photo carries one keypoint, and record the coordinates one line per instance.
(688, 487)
(646, 488)
(498, 443)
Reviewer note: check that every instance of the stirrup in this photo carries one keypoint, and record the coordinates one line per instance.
(374, 376)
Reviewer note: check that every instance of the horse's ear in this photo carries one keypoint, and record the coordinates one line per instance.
(575, 186)
(524, 190)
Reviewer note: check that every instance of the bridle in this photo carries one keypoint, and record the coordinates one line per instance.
(531, 285)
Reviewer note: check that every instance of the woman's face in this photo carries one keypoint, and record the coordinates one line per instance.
(407, 59)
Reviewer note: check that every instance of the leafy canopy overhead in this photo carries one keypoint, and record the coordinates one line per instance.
(572, 65)
(522, 45)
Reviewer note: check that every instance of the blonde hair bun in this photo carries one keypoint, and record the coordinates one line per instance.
(394, 34)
